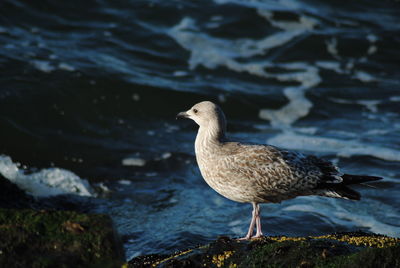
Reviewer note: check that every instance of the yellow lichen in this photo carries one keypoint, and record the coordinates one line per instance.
(285, 238)
(219, 259)
(374, 241)
(369, 241)
(172, 257)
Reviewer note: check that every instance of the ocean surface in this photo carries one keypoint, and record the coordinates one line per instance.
(89, 91)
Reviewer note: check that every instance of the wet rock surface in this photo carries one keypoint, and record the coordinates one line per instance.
(13, 197)
(31, 238)
(352, 249)
(32, 235)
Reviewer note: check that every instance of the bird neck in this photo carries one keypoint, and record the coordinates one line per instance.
(210, 137)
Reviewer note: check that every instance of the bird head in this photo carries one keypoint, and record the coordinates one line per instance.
(204, 114)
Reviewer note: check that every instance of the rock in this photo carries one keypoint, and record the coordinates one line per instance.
(13, 197)
(33, 234)
(31, 238)
(353, 249)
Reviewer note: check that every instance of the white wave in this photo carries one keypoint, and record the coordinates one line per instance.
(368, 216)
(104, 188)
(376, 132)
(47, 182)
(372, 50)
(298, 106)
(364, 76)
(369, 222)
(331, 47)
(134, 161)
(371, 105)
(341, 101)
(301, 208)
(112, 62)
(179, 73)
(42, 65)
(349, 68)
(343, 148)
(124, 182)
(280, 5)
(395, 99)
(66, 67)
(330, 65)
(307, 130)
(166, 155)
(212, 52)
(237, 55)
(340, 215)
(237, 230)
(235, 222)
(372, 38)
(304, 22)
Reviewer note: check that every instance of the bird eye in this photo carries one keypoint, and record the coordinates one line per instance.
(195, 111)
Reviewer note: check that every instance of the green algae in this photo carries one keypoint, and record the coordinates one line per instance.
(368, 258)
(321, 253)
(294, 253)
(352, 249)
(31, 238)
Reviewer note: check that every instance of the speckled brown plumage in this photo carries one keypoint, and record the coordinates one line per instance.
(257, 173)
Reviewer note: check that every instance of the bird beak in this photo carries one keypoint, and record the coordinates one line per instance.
(182, 115)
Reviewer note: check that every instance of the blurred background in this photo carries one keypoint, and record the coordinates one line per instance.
(89, 91)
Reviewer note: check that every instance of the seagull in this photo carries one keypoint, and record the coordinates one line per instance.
(257, 173)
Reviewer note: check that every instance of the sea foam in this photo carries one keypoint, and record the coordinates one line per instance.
(343, 148)
(46, 182)
(211, 52)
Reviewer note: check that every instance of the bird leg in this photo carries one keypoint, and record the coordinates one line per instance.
(258, 222)
(252, 223)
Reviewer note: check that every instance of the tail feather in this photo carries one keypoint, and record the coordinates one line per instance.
(348, 193)
(340, 190)
(357, 179)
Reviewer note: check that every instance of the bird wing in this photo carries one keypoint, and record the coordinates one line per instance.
(275, 169)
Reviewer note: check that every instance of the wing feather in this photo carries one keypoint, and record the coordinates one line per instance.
(278, 170)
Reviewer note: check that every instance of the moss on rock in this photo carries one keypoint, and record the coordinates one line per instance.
(31, 238)
(357, 249)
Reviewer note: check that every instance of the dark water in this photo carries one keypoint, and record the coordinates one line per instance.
(89, 91)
